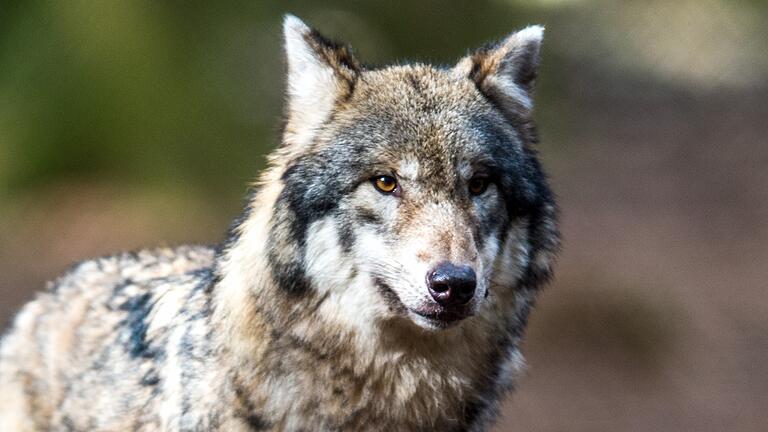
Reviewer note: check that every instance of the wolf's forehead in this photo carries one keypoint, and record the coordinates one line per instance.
(423, 116)
(419, 90)
(412, 168)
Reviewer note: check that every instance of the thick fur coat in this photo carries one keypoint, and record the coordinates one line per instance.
(323, 309)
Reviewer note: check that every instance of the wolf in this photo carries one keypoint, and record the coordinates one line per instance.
(379, 278)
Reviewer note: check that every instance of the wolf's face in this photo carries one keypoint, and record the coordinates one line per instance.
(409, 191)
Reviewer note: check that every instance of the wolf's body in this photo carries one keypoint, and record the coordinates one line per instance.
(315, 313)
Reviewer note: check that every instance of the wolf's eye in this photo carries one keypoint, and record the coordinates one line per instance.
(478, 185)
(384, 184)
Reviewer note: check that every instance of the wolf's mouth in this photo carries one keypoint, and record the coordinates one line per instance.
(442, 316)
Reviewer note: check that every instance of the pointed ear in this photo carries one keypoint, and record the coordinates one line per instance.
(505, 72)
(320, 73)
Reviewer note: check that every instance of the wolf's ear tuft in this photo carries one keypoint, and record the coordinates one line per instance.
(320, 73)
(506, 71)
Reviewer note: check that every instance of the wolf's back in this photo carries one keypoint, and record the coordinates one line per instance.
(86, 353)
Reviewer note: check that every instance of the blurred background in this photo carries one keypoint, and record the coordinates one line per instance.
(135, 123)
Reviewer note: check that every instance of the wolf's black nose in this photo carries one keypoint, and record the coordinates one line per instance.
(452, 285)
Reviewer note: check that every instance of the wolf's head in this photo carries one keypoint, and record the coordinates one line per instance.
(409, 192)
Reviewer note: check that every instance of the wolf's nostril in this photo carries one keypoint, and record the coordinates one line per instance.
(452, 285)
(439, 286)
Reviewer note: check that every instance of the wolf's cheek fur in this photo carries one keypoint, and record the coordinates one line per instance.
(338, 277)
(350, 260)
(510, 263)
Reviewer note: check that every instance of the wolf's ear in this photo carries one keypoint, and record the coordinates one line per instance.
(320, 73)
(505, 71)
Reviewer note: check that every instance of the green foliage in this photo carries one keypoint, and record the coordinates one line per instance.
(151, 93)
(189, 94)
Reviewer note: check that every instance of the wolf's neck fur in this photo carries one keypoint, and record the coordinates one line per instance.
(385, 371)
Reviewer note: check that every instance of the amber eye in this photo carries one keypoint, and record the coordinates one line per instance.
(384, 184)
(478, 185)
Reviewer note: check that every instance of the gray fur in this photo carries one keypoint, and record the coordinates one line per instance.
(313, 314)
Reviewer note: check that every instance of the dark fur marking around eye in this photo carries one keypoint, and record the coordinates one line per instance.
(313, 188)
(298, 205)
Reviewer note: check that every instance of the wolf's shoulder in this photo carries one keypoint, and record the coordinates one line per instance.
(105, 317)
(101, 282)
(114, 281)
